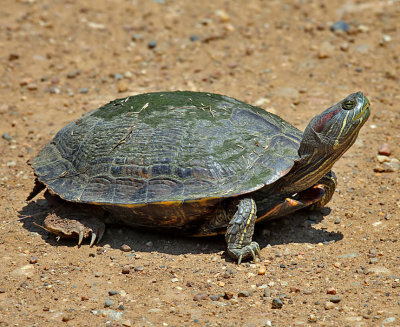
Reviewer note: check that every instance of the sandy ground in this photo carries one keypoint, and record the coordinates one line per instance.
(341, 267)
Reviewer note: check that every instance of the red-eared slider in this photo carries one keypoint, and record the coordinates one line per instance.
(200, 163)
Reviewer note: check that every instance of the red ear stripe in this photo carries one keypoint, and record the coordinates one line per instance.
(319, 125)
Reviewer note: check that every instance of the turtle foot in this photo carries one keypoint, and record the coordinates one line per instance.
(249, 251)
(75, 228)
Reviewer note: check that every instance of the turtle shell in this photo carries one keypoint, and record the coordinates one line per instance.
(167, 146)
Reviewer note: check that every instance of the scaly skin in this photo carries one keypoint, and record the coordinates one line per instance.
(240, 232)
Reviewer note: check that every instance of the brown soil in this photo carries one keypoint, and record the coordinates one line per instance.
(60, 59)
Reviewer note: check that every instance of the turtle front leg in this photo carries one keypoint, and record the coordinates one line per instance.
(329, 182)
(240, 232)
(80, 228)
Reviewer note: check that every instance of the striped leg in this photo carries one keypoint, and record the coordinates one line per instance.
(240, 232)
(329, 181)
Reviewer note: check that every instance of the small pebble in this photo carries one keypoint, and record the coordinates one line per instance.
(55, 90)
(244, 294)
(122, 86)
(84, 90)
(66, 317)
(111, 293)
(228, 295)
(331, 290)
(384, 149)
(126, 269)
(149, 244)
(329, 305)
(73, 74)
(222, 15)
(312, 318)
(262, 270)
(193, 38)
(214, 297)
(200, 296)
(32, 87)
(335, 299)
(126, 248)
(139, 268)
(152, 44)
(6, 136)
(108, 303)
(276, 303)
(340, 26)
(337, 221)
(382, 158)
(392, 166)
(33, 259)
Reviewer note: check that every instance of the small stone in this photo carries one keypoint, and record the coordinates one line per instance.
(111, 293)
(340, 26)
(262, 270)
(384, 149)
(126, 248)
(244, 294)
(122, 86)
(392, 166)
(108, 303)
(193, 38)
(32, 87)
(73, 74)
(6, 136)
(262, 101)
(337, 221)
(84, 90)
(267, 292)
(126, 269)
(33, 259)
(331, 290)
(139, 268)
(329, 305)
(276, 303)
(337, 264)
(13, 56)
(149, 244)
(152, 44)
(389, 320)
(326, 50)
(222, 15)
(382, 158)
(335, 299)
(66, 317)
(312, 318)
(214, 297)
(344, 46)
(200, 296)
(54, 90)
(228, 295)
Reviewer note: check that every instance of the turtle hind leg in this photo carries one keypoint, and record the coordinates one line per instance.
(71, 226)
(240, 232)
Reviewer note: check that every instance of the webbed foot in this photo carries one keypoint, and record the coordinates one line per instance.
(75, 228)
(249, 251)
(240, 232)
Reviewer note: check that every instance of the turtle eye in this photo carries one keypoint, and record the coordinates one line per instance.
(348, 104)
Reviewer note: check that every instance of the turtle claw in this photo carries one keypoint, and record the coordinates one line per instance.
(92, 239)
(249, 251)
(80, 237)
(97, 234)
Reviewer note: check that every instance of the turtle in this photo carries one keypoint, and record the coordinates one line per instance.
(192, 162)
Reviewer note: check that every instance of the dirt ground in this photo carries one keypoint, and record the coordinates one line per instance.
(341, 267)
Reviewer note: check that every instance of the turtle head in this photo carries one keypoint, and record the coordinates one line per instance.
(332, 132)
(326, 138)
